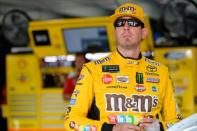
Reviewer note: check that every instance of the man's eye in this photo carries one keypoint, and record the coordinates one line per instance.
(130, 22)
(133, 23)
(119, 23)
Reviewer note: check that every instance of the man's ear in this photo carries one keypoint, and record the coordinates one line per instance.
(144, 32)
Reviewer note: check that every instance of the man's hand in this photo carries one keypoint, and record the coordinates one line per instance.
(126, 127)
(146, 122)
(149, 124)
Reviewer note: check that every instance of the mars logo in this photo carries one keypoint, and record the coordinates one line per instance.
(137, 103)
(107, 79)
(128, 8)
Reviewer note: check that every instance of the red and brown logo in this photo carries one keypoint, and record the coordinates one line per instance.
(135, 102)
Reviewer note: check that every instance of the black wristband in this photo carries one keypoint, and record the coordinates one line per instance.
(107, 127)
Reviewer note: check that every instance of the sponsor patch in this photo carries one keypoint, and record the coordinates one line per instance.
(131, 119)
(133, 62)
(117, 86)
(151, 74)
(72, 101)
(154, 89)
(93, 128)
(140, 88)
(72, 124)
(76, 92)
(112, 119)
(107, 78)
(135, 103)
(179, 116)
(152, 80)
(122, 118)
(110, 68)
(102, 60)
(139, 78)
(150, 68)
(128, 8)
(68, 109)
(122, 79)
(86, 128)
(81, 76)
(77, 127)
(152, 62)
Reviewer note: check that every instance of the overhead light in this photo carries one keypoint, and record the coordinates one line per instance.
(96, 56)
(70, 57)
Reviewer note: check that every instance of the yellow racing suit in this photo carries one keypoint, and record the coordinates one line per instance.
(115, 90)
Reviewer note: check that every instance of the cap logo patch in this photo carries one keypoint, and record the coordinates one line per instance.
(128, 8)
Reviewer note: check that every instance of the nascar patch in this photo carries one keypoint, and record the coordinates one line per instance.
(110, 68)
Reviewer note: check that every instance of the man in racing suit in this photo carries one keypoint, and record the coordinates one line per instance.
(123, 90)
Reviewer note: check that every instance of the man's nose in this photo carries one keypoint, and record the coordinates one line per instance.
(126, 26)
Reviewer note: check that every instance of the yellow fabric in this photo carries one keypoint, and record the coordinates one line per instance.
(129, 9)
(124, 89)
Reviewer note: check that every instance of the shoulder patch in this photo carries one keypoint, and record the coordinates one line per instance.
(152, 62)
(102, 60)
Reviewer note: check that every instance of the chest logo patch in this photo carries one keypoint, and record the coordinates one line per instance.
(136, 102)
(140, 88)
(122, 79)
(107, 78)
(150, 68)
(153, 80)
(154, 89)
(110, 68)
(139, 78)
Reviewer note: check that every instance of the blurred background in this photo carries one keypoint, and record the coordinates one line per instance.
(40, 40)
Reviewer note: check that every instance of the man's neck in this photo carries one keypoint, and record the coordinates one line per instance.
(129, 53)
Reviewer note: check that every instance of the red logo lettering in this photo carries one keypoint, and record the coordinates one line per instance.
(107, 79)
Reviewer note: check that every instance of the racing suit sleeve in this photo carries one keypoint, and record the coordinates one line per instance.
(80, 103)
(170, 113)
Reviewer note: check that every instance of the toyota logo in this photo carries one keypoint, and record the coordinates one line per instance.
(151, 68)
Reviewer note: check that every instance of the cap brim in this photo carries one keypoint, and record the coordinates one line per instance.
(116, 16)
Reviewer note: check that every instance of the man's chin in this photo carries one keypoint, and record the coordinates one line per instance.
(127, 39)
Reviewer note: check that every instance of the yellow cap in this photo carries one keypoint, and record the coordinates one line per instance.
(129, 9)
